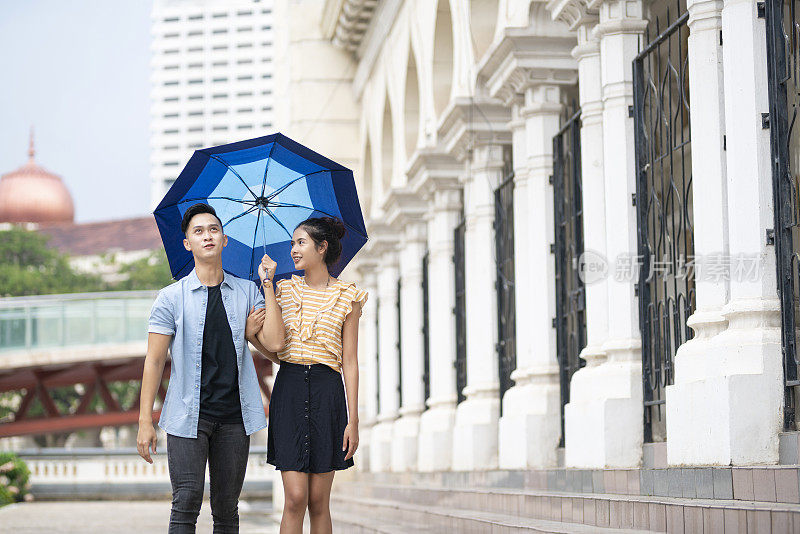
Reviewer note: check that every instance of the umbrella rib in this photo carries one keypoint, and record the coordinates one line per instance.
(191, 259)
(274, 218)
(217, 198)
(204, 198)
(246, 212)
(287, 205)
(255, 235)
(284, 187)
(266, 169)
(214, 156)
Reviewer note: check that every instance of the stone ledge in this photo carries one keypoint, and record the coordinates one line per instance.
(468, 510)
(448, 519)
(776, 484)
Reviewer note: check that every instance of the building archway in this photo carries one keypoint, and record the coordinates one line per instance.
(365, 183)
(483, 24)
(442, 57)
(412, 110)
(387, 147)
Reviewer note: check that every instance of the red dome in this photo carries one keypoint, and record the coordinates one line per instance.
(33, 194)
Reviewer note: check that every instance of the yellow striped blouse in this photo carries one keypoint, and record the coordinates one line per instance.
(314, 319)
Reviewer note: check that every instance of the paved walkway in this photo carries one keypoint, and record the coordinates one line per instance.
(115, 517)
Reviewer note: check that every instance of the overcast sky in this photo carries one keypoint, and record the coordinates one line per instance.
(78, 71)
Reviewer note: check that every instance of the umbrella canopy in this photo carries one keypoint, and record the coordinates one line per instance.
(261, 189)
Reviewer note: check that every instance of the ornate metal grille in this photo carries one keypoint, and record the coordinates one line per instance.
(570, 319)
(460, 309)
(377, 356)
(426, 353)
(399, 345)
(504, 259)
(664, 209)
(783, 58)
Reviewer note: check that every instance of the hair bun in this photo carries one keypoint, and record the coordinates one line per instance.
(337, 226)
(328, 229)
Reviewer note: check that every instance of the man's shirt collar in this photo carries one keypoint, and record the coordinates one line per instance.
(195, 283)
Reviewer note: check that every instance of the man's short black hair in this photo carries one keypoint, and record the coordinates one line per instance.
(197, 209)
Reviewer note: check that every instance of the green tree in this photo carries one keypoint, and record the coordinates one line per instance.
(14, 479)
(29, 267)
(151, 272)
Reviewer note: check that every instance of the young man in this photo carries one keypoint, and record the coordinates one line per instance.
(213, 403)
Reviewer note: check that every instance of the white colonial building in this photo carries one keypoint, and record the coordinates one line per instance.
(212, 69)
(583, 224)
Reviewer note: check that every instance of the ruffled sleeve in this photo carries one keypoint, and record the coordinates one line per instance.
(279, 289)
(354, 294)
(284, 292)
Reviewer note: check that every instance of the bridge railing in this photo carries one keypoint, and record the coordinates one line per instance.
(39, 322)
(113, 474)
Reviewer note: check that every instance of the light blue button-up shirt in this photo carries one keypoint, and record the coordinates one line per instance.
(180, 311)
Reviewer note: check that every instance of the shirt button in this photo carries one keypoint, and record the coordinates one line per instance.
(306, 416)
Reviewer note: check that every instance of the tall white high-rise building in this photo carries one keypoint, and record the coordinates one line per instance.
(212, 83)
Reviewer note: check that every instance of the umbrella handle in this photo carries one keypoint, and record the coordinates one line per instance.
(264, 232)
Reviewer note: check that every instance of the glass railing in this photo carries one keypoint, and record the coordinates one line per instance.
(49, 321)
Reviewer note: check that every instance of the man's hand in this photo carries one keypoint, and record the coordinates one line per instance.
(266, 270)
(145, 439)
(254, 322)
(350, 441)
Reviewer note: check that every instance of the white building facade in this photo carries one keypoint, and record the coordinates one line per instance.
(212, 79)
(518, 162)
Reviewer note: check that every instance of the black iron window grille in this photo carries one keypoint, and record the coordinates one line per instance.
(399, 345)
(783, 62)
(460, 309)
(377, 356)
(504, 285)
(426, 352)
(570, 319)
(663, 202)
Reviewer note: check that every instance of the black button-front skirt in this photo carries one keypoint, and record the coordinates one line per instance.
(307, 418)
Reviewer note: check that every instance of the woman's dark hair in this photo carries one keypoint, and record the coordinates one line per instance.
(328, 229)
(196, 209)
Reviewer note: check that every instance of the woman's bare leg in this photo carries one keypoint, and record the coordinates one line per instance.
(295, 491)
(319, 502)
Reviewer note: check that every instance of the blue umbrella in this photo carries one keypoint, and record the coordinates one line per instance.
(261, 189)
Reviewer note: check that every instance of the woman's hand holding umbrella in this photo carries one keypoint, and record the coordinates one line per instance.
(266, 270)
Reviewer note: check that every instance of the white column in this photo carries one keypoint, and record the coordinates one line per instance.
(475, 432)
(368, 365)
(605, 413)
(587, 53)
(388, 337)
(711, 417)
(530, 427)
(436, 423)
(406, 428)
(582, 386)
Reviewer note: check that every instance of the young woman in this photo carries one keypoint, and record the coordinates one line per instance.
(313, 426)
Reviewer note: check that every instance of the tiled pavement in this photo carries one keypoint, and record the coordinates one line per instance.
(118, 517)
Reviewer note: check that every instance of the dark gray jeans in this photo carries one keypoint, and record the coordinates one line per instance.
(225, 447)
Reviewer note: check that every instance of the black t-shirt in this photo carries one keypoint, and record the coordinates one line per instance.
(219, 379)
